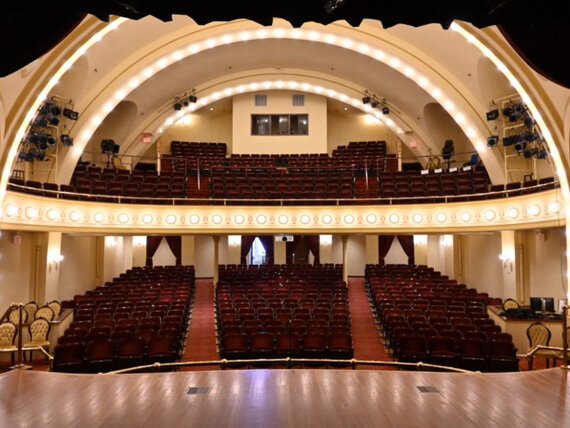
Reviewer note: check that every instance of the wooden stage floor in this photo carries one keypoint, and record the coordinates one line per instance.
(285, 398)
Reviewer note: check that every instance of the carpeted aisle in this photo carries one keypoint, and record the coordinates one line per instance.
(201, 338)
(366, 339)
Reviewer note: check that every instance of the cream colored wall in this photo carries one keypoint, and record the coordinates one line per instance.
(212, 128)
(280, 252)
(118, 258)
(547, 263)
(481, 265)
(188, 250)
(342, 129)
(16, 268)
(139, 251)
(78, 270)
(356, 255)
(224, 248)
(279, 102)
(204, 256)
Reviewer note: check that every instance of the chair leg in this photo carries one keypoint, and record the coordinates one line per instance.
(547, 362)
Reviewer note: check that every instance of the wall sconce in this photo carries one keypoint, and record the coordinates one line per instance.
(234, 240)
(446, 241)
(325, 240)
(139, 241)
(110, 242)
(507, 260)
(420, 240)
(53, 261)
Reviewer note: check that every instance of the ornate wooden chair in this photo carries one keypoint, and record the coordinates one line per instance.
(39, 331)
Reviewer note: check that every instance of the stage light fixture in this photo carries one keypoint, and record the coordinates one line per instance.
(529, 138)
(50, 140)
(66, 140)
(511, 140)
(542, 154)
(493, 141)
(193, 98)
(41, 121)
(177, 106)
(448, 150)
(374, 103)
(520, 147)
(492, 114)
(366, 99)
(107, 146)
(385, 110)
(529, 153)
(70, 114)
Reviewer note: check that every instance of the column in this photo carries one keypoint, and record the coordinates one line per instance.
(372, 249)
(54, 259)
(188, 250)
(325, 249)
(216, 239)
(234, 249)
(420, 249)
(345, 258)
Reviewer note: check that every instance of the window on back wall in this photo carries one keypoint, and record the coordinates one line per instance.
(261, 100)
(279, 124)
(298, 100)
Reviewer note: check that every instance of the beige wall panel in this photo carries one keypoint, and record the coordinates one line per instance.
(204, 256)
(547, 263)
(212, 128)
(78, 268)
(481, 265)
(279, 102)
(16, 268)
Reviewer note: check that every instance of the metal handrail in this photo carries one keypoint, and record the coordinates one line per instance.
(288, 361)
(337, 201)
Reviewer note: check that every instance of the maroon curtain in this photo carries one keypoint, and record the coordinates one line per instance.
(175, 245)
(314, 244)
(152, 243)
(407, 243)
(268, 243)
(384, 244)
(246, 243)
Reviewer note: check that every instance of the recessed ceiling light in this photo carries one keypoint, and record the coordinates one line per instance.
(211, 108)
(346, 108)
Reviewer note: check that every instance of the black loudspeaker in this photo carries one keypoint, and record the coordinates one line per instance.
(107, 146)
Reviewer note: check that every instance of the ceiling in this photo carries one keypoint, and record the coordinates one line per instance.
(537, 30)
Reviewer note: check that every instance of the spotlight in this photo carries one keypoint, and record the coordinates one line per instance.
(448, 150)
(529, 138)
(542, 154)
(492, 114)
(511, 140)
(529, 153)
(185, 103)
(514, 113)
(374, 103)
(331, 5)
(529, 122)
(41, 121)
(116, 149)
(107, 146)
(385, 110)
(520, 147)
(193, 98)
(50, 108)
(366, 99)
(26, 157)
(493, 141)
(54, 121)
(66, 140)
(50, 140)
(70, 114)
(177, 106)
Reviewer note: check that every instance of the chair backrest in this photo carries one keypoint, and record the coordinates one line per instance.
(31, 308)
(538, 334)
(14, 316)
(7, 333)
(45, 312)
(510, 304)
(55, 307)
(39, 329)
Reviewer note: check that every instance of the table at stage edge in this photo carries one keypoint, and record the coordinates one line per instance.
(517, 328)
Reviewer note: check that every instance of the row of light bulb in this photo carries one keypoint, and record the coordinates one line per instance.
(75, 216)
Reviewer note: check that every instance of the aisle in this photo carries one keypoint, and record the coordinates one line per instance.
(367, 341)
(201, 338)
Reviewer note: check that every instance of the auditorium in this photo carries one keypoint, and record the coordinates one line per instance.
(328, 213)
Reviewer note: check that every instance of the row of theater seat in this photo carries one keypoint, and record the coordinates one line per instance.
(283, 310)
(425, 316)
(140, 316)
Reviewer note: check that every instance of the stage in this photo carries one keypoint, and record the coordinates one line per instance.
(285, 398)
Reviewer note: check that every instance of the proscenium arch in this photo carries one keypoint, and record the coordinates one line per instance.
(468, 117)
(530, 96)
